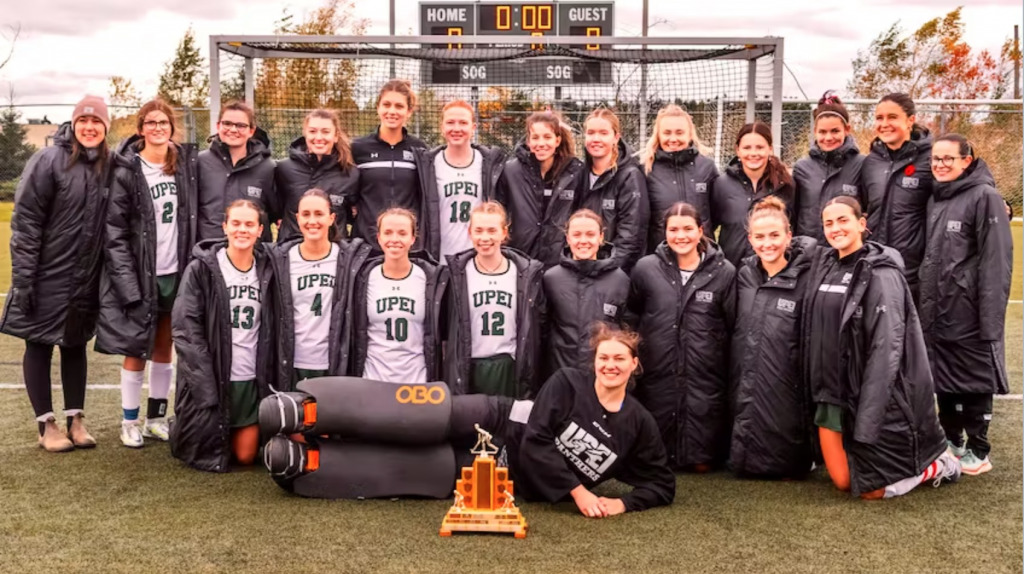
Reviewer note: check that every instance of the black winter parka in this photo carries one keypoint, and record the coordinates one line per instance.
(684, 175)
(302, 171)
(201, 330)
(579, 294)
(684, 351)
(537, 231)
(430, 226)
(284, 311)
(359, 259)
(619, 196)
(530, 323)
(896, 185)
(221, 183)
(771, 433)
(57, 237)
(128, 290)
(965, 283)
(890, 427)
(731, 202)
(820, 177)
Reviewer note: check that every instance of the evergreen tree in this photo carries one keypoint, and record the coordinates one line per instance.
(14, 149)
(185, 81)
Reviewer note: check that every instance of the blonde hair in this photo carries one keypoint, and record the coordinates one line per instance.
(491, 208)
(654, 143)
(770, 206)
(610, 117)
(401, 211)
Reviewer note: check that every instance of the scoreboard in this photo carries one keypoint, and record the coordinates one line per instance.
(590, 20)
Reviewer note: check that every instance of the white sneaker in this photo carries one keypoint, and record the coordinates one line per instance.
(973, 466)
(131, 434)
(949, 469)
(157, 428)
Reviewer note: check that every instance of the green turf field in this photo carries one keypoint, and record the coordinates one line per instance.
(120, 510)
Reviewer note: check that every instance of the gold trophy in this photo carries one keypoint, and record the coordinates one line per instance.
(483, 496)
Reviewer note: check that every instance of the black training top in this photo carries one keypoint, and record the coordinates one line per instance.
(826, 318)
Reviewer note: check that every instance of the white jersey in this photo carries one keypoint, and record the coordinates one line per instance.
(492, 311)
(245, 303)
(395, 312)
(458, 189)
(312, 285)
(164, 192)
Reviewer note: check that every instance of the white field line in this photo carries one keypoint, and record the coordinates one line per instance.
(108, 387)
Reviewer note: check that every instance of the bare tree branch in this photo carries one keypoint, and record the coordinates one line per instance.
(15, 32)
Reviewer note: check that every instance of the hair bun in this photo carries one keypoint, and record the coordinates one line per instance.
(830, 97)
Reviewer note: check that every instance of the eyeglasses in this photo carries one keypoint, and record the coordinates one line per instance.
(234, 126)
(946, 161)
(162, 124)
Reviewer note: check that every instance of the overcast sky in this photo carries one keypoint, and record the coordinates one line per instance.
(68, 47)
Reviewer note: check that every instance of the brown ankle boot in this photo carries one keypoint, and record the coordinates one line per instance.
(52, 440)
(77, 433)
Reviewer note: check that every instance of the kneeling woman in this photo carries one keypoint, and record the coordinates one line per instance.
(584, 429)
(682, 299)
(307, 270)
(224, 339)
(393, 306)
(496, 305)
(879, 432)
(771, 434)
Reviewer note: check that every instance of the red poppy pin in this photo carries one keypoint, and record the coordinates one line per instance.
(909, 170)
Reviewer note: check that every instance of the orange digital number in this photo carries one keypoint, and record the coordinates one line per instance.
(455, 32)
(537, 46)
(503, 18)
(544, 17)
(591, 32)
(529, 18)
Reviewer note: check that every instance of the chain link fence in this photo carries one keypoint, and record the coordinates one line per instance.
(995, 129)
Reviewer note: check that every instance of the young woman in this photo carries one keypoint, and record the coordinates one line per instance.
(682, 301)
(584, 429)
(496, 309)
(151, 228)
(224, 337)
(771, 433)
(615, 187)
(308, 271)
(677, 171)
(832, 168)
(393, 302)
(538, 187)
(386, 160)
(585, 288)
(455, 178)
(321, 158)
(57, 235)
(875, 407)
(896, 182)
(965, 286)
(754, 174)
(237, 166)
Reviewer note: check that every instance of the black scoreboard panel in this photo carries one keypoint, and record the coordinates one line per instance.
(591, 20)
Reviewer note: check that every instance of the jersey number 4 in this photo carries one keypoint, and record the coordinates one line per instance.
(494, 324)
(318, 306)
(460, 212)
(397, 329)
(246, 314)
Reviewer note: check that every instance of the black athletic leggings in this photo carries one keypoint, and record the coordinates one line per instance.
(36, 368)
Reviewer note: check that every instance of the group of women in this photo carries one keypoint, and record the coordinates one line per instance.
(795, 338)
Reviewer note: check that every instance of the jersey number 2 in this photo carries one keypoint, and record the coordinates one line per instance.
(168, 214)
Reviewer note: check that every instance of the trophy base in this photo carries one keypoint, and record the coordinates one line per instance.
(469, 520)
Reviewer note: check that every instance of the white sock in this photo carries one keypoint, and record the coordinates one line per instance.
(45, 417)
(160, 379)
(901, 487)
(131, 393)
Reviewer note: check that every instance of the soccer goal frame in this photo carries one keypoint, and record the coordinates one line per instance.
(641, 51)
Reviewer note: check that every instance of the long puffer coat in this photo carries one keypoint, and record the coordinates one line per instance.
(128, 289)
(731, 201)
(57, 235)
(201, 330)
(619, 195)
(771, 433)
(820, 177)
(965, 284)
(890, 427)
(679, 176)
(222, 182)
(303, 171)
(684, 351)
